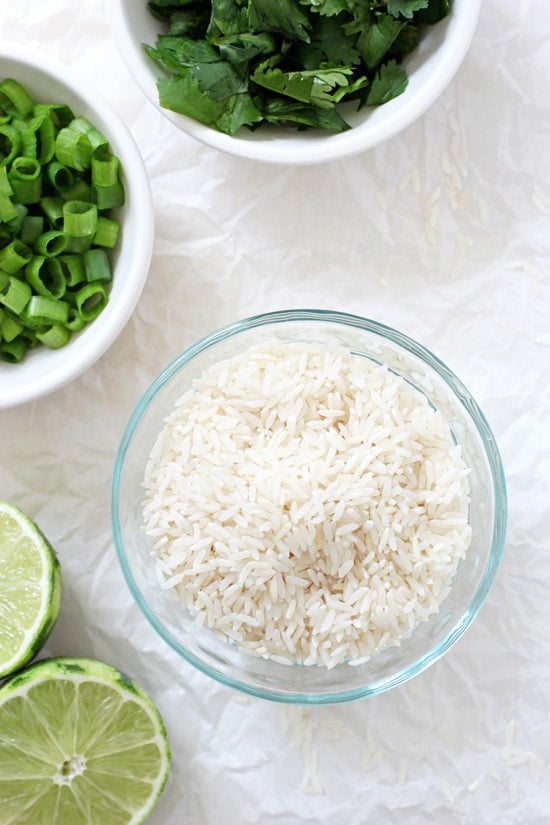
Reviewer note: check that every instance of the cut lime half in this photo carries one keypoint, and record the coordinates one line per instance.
(30, 589)
(80, 744)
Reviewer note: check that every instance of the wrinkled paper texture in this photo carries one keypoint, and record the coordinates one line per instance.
(443, 232)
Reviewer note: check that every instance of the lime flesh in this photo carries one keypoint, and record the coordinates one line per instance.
(30, 589)
(80, 744)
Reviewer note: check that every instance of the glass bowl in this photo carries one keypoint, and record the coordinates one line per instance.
(297, 683)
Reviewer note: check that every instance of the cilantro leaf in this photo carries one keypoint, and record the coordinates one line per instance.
(283, 16)
(283, 112)
(405, 8)
(389, 82)
(183, 94)
(328, 8)
(376, 39)
(317, 86)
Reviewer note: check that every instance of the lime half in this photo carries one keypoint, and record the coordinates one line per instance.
(30, 589)
(80, 744)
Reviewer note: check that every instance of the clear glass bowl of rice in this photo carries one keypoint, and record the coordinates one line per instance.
(309, 506)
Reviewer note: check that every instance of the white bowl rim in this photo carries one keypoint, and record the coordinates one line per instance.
(62, 366)
(295, 150)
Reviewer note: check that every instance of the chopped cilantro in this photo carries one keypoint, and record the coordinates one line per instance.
(235, 63)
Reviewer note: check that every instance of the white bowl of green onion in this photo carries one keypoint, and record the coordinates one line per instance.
(293, 83)
(76, 225)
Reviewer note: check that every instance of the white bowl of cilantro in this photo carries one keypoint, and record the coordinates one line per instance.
(292, 81)
(76, 225)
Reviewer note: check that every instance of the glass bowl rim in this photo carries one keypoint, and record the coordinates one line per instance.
(475, 414)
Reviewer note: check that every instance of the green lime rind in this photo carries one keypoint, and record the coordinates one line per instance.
(30, 589)
(79, 742)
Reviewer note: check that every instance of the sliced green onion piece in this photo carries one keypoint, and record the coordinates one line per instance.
(9, 327)
(8, 211)
(5, 185)
(82, 124)
(29, 143)
(107, 232)
(20, 101)
(60, 176)
(46, 276)
(91, 300)
(25, 176)
(59, 113)
(96, 265)
(10, 143)
(16, 223)
(14, 351)
(53, 210)
(50, 243)
(73, 268)
(31, 228)
(14, 256)
(79, 224)
(55, 336)
(43, 309)
(15, 295)
(75, 323)
(105, 167)
(108, 197)
(45, 133)
(79, 191)
(73, 149)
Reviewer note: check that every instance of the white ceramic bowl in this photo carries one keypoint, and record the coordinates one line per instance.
(430, 68)
(44, 370)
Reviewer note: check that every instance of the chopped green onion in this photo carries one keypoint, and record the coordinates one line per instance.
(5, 185)
(75, 322)
(15, 295)
(96, 265)
(79, 224)
(50, 243)
(107, 232)
(9, 327)
(14, 98)
(43, 309)
(60, 176)
(10, 143)
(59, 113)
(82, 124)
(16, 223)
(79, 191)
(108, 197)
(73, 149)
(14, 351)
(105, 167)
(31, 229)
(53, 210)
(25, 176)
(46, 276)
(73, 268)
(91, 300)
(59, 182)
(8, 212)
(14, 257)
(55, 336)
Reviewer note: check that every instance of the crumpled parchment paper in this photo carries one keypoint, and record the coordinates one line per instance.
(443, 232)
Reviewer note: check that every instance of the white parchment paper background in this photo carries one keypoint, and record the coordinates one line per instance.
(444, 233)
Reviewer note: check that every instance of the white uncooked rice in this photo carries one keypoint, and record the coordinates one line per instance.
(307, 504)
